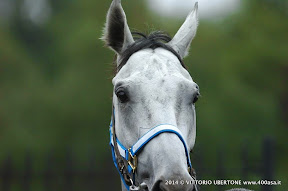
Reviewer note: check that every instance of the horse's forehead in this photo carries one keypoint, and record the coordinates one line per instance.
(151, 64)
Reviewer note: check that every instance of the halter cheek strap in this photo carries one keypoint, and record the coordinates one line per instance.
(130, 155)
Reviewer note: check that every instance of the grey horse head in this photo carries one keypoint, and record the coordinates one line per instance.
(153, 87)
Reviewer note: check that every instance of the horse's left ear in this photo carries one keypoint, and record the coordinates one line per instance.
(117, 34)
(183, 38)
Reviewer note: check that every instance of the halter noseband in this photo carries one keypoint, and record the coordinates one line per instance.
(125, 160)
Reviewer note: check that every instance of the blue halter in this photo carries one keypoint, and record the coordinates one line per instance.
(130, 155)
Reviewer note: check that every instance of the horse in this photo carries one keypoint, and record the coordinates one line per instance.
(153, 123)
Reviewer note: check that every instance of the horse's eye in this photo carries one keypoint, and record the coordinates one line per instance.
(196, 97)
(122, 96)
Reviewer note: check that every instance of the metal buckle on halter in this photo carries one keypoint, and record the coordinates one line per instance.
(132, 160)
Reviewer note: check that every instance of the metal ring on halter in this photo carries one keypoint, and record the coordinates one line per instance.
(131, 181)
(132, 160)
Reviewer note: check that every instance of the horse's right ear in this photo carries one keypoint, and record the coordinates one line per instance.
(117, 35)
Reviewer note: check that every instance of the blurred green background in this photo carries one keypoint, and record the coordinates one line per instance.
(55, 93)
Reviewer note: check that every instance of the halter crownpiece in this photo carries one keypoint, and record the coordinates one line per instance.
(125, 160)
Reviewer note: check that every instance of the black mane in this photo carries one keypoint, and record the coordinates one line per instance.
(153, 40)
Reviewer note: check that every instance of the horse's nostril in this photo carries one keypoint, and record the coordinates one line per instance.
(163, 186)
(157, 186)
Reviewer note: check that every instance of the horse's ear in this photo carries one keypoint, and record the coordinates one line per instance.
(183, 38)
(117, 34)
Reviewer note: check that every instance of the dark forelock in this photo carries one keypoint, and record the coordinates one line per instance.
(153, 40)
